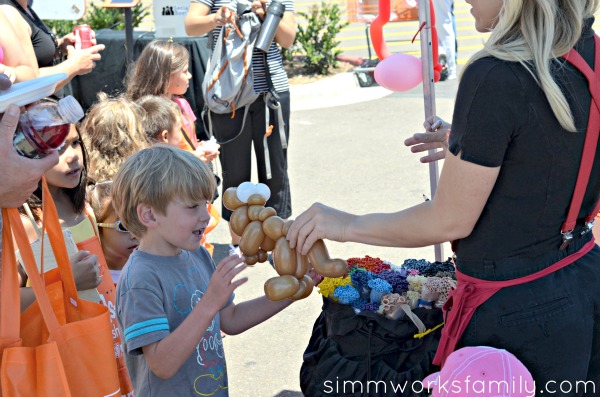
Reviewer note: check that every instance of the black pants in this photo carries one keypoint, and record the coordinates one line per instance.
(551, 324)
(236, 156)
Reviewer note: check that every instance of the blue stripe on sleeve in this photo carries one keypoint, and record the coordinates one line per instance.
(144, 327)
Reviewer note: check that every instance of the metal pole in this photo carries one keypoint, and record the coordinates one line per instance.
(367, 27)
(429, 94)
(129, 34)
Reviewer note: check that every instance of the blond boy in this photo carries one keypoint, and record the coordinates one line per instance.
(172, 299)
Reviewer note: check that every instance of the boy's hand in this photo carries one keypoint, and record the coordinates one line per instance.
(86, 270)
(221, 284)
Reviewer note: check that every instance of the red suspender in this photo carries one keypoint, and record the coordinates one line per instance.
(471, 292)
(590, 145)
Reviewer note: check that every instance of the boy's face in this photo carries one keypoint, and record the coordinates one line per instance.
(181, 227)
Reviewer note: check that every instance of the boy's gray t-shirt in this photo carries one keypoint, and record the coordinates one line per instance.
(154, 296)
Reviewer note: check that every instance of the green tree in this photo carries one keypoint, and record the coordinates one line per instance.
(318, 39)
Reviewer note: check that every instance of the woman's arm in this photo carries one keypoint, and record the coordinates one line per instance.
(19, 58)
(461, 195)
(199, 20)
(286, 31)
(78, 62)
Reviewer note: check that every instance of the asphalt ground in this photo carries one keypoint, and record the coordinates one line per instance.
(348, 154)
(346, 150)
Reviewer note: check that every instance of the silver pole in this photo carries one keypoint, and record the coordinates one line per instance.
(429, 94)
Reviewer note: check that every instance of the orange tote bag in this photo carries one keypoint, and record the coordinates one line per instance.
(25, 371)
(81, 329)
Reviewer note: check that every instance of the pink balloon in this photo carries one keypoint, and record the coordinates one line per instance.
(399, 72)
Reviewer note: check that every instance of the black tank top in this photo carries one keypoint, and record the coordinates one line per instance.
(42, 38)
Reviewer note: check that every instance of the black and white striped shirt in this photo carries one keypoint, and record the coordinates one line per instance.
(278, 74)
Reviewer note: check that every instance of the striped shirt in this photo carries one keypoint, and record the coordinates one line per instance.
(278, 74)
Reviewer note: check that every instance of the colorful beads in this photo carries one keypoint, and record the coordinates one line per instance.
(360, 278)
(374, 265)
(328, 286)
(427, 268)
(396, 280)
(369, 279)
(346, 294)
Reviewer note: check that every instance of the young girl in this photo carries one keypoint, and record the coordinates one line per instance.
(67, 184)
(117, 242)
(112, 131)
(162, 70)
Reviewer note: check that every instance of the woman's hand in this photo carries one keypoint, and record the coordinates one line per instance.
(70, 40)
(84, 61)
(221, 17)
(436, 137)
(86, 270)
(259, 7)
(318, 222)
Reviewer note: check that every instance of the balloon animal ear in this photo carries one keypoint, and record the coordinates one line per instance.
(262, 231)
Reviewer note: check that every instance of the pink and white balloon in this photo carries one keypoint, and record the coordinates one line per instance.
(399, 72)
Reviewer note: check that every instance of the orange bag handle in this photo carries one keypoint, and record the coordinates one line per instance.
(11, 299)
(39, 290)
(51, 222)
(51, 225)
(13, 223)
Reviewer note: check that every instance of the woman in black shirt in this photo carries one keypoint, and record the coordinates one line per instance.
(520, 122)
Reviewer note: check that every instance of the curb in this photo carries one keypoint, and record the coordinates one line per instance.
(338, 90)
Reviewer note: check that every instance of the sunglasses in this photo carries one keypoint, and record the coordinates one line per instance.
(118, 226)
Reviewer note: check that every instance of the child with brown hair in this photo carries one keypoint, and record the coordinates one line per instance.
(67, 182)
(162, 69)
(162, 120)
(112, 131)
(117, 242)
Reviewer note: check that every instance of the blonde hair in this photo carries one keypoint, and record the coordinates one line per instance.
(157, 176)
(154, 67)
(533, 32)
(112, 131)
(161, 114)
(99, 197)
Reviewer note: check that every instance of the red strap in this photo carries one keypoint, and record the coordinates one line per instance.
(471, 292)
(591, 137)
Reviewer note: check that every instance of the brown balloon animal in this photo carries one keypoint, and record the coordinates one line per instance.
(261, 231)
